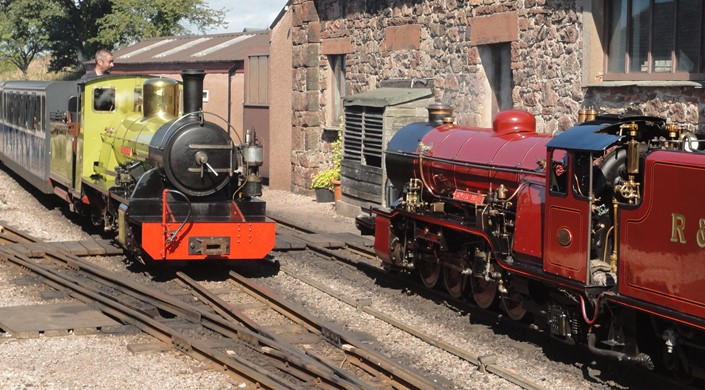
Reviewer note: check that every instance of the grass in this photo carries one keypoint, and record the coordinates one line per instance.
(38, 70)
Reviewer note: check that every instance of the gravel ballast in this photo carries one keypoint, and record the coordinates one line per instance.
(104, 361)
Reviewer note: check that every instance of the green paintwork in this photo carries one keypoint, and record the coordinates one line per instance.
(115, 134)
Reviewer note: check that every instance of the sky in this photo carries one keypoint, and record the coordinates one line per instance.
(246, 13)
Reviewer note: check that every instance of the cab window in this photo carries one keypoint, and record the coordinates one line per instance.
(581, 175)
(104, 99)
(559, 172)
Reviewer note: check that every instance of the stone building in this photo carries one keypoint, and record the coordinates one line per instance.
(548, 57)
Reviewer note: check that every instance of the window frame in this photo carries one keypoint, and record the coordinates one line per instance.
(649, 75)
(336, 96)
(104, 99)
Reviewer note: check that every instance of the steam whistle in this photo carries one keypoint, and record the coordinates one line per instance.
(252, 156)
(629, 189)
(674, 131)
(587, 114)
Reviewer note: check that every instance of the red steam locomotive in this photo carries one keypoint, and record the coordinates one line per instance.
(598, 232)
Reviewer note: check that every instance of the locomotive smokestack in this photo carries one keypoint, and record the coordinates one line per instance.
(193, 89)
(438, 112)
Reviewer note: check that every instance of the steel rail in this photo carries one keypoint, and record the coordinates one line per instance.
(302, 366)
(12, 235)
(231, 314)
(485, 363)
(401, 377)
(251, 373)
(326, 376)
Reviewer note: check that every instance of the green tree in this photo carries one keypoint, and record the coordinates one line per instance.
(71, 30)
(23, 34)
(85, 26)
(134, 20)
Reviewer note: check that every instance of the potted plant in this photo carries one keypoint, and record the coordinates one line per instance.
(327, 183)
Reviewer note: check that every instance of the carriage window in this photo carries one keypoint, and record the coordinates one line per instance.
(33, 116)
(38, 119)
(9, 108)
(103, 99)
(559, 172)
(16, 109)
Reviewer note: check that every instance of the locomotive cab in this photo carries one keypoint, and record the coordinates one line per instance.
(577, 218)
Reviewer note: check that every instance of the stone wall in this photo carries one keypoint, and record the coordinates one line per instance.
(438, 40)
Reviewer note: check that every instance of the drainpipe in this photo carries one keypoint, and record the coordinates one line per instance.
(230, 92)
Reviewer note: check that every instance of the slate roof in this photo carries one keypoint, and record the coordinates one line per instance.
(226, 47)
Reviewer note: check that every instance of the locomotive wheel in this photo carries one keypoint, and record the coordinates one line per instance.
(429, 269)
(453, 279)
(513, 305)
(484, 291)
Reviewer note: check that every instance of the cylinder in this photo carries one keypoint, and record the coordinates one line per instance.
(193, 89)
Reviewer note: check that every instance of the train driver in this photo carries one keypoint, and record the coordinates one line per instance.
(103, 64)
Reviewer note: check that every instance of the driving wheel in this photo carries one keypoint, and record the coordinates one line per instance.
(483, 291)
(453, 278)
(429, 269)
(513, 305)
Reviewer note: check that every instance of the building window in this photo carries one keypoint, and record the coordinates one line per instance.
(654, 40)
(337, 89)
(257, 80)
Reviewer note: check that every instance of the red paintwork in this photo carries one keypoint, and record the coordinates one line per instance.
(528, 230)
(657, 264)
(655, 310)
(514, 121)
(513, 145)
(382, 224)
(382, 249)
(248, 240)
(573, 215)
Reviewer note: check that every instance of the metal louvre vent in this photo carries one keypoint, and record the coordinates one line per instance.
(363, 135)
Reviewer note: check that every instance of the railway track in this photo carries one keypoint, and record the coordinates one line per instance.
(272, 343)
(360, 258)
(216, 332)
(485, 363)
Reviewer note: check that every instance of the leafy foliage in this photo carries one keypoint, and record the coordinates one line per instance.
(23, 35)
(73, 30)
(323, 178)
(133, 20)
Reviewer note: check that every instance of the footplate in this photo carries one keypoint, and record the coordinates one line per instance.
(209, 246)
